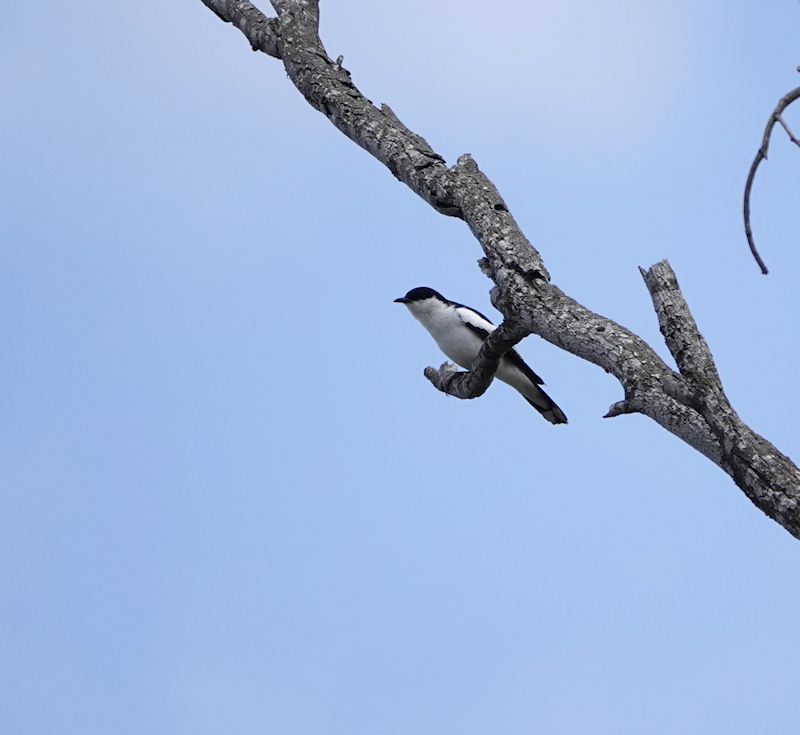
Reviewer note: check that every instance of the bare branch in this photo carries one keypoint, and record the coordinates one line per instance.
(678, 326)
(769, 478)
(257, 28)
(691, 405)
(620, 408)
(784, 102)
(474, 383)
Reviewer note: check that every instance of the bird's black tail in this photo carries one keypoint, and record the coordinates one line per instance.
(547, 407)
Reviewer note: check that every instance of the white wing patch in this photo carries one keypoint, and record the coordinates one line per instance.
(468, 316)
(481, 326)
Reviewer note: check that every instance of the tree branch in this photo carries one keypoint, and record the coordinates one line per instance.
(769, 478)
(677, 324)
(474, 383)
(690, 405)
(783, 103)
(259, 30)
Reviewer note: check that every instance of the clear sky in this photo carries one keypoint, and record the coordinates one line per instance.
(231, 503)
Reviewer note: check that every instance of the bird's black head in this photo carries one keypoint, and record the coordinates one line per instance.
(419, 294)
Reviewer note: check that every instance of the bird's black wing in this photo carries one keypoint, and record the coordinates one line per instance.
(481, 326)
(518, 362)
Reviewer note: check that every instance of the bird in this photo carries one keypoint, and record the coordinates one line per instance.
(460, 331)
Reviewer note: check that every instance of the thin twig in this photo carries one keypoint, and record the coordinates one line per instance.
(788, 130)
(784, 102)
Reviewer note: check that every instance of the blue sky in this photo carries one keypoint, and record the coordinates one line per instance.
(232, 503)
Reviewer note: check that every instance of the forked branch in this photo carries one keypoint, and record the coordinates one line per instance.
(770, 479)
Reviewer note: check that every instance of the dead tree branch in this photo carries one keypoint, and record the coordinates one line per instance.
(474, 382)
(776, 117)
(691, 405)
(768, 478)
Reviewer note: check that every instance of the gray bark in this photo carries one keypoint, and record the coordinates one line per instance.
(690, 404)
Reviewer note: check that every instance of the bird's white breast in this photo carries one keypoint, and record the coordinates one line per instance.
(455, 339)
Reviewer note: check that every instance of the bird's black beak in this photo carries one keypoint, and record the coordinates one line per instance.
(401, 300)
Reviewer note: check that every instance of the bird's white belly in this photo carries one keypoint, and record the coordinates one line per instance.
(462, 348)
(463, 353)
